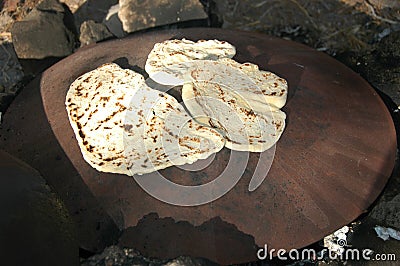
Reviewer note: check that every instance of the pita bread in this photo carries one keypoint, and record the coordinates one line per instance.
(243, 128)
(164, 63)
(122, 126)
(225, 97)
(258, 87)
(159, 133)
(269, 87)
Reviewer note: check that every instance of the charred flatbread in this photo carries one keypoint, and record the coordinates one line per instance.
(123, 126)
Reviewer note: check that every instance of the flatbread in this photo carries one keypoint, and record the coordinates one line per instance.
(224, 96)
(243, 128)
(160, 133)
(164, 62)
(258, 87)
(266, 86)
(122, 126)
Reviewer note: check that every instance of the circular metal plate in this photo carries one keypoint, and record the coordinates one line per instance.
(332, 161)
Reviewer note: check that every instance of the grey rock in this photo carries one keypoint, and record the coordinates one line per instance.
(92, 32)
(117, 256)
(42, 33)
(35, 228)
(388, 213)
(95, 10)
(113, 22)
(10, 74)
(189, 261)
(73, 5)
(11, 71)
(51, 6)
(138, 15)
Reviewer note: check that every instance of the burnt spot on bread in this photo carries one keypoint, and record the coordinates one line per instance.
(105, 98)
(277, 124)
(127, 127)
(99, 85)
(81, 134)
(247, 112)
(113, 158)
(90, 148)
(232, 141)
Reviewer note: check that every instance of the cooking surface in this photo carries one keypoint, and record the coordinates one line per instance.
(332, 161)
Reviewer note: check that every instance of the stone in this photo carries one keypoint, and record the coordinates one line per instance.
(189, 261)
(388, 212)
(73, 5)
(50, 6)
(11, 71)
(92, 32)
(35, 227)
(117, 256)
(11, 74)
(138, 15)
(42, 33)
(95, 10)
(113, 22)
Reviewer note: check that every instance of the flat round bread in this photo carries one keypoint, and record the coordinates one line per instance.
(123, 126)
(164, 61)
(266, 86)
(256, 86)
(226, 97)
(159, 133)
(243, 128)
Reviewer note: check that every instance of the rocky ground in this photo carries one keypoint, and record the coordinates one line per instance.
(364, 35)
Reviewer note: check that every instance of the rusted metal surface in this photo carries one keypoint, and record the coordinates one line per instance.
(332, 161)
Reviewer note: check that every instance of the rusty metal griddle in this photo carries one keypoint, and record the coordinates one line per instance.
(332, 161)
